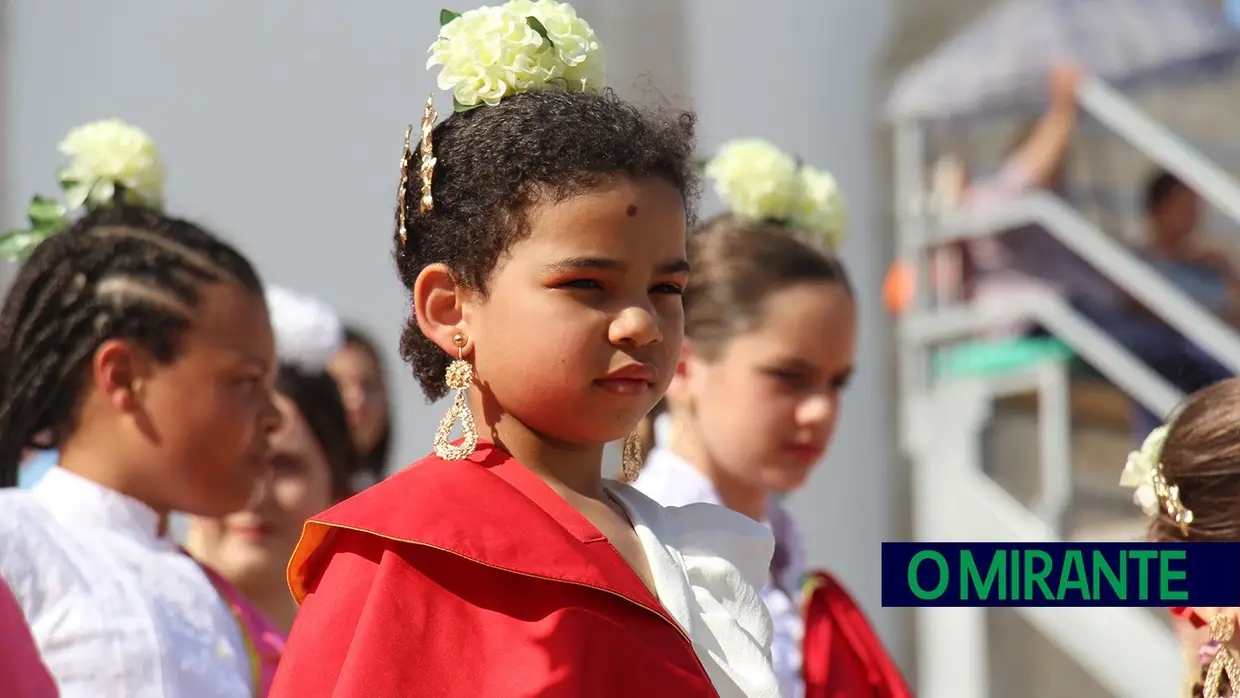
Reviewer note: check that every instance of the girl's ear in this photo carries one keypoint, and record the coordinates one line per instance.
(119, 370)
(437, 303)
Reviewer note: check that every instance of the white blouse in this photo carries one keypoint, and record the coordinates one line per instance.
(672, 481)
(708, 563)
(118, 611)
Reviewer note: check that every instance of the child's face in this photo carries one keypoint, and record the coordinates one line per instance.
(765, 410)
(365, 396)
(205, 417)
(579, 333)
(252, 546)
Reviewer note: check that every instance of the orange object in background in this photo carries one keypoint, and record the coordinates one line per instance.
(899, 287)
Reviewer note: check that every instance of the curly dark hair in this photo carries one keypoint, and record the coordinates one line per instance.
(495, 161)
(121, 272)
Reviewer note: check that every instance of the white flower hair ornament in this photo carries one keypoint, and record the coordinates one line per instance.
(758, 181)
(308, 331)
(110, 161)
(490, 53)
(1151, 491)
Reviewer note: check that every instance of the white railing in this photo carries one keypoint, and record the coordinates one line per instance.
(1126, 650)
(1112, 259)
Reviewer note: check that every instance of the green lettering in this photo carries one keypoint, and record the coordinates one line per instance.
(916, 587)
(971, 577)
(1143, 558)
(1166, 575)
(1037, 576)
(1072, 576)
(1014, 593)
(1102, 568)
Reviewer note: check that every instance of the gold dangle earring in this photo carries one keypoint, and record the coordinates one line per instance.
(631, 457)
(459, 377)
(1222, 628)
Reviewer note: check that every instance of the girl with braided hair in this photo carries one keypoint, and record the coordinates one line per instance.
(541, 234)
(140, 346)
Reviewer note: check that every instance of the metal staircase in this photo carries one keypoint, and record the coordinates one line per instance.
(969, 444)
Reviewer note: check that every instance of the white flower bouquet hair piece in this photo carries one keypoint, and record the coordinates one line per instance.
(110, 162)
(490, 53)
(308, 331)
(758, 181)
(1152, 492)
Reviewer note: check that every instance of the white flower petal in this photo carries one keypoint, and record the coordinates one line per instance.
(1147, 499)
(503, 55)
(108, 153)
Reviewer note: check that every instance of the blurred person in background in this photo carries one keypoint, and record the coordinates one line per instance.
(1200, 267)
(139, 346)
(358, 370)
(995, 270)
(1200, 264)
(313, 464)
(770, 344)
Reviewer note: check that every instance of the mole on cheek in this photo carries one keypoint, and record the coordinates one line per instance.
(631, 211)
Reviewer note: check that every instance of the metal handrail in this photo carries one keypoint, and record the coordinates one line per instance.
(1136, 278)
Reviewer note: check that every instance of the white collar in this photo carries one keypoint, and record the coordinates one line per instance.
(80, 502)
(708, 563)
(673, 481)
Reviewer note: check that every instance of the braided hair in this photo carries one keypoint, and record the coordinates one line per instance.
(121, 272)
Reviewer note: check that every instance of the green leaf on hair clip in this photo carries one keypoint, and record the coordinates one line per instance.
(446, 17)
(457, 106)
(16, 245)
(701, 163)
(45, 213)
(540, 30)
(47, 218)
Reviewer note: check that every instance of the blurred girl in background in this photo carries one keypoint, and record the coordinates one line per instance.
(770, 341)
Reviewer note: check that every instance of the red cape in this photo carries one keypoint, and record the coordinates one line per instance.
(474, 579)
(842, 655)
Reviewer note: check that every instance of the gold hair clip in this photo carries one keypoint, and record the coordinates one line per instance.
(426, 155)
(1169, 495)
(404, 184)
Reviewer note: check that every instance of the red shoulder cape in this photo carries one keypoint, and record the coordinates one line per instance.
(842, 655)
(473, 578)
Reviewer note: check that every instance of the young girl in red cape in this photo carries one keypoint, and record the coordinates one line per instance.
(770, 344)
(1186, 477)
(139, 345)
(541, 234)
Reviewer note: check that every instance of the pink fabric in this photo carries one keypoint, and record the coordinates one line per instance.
(265, 639)
(25, 676)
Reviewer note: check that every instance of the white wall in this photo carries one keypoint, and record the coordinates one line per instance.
(281, 122)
